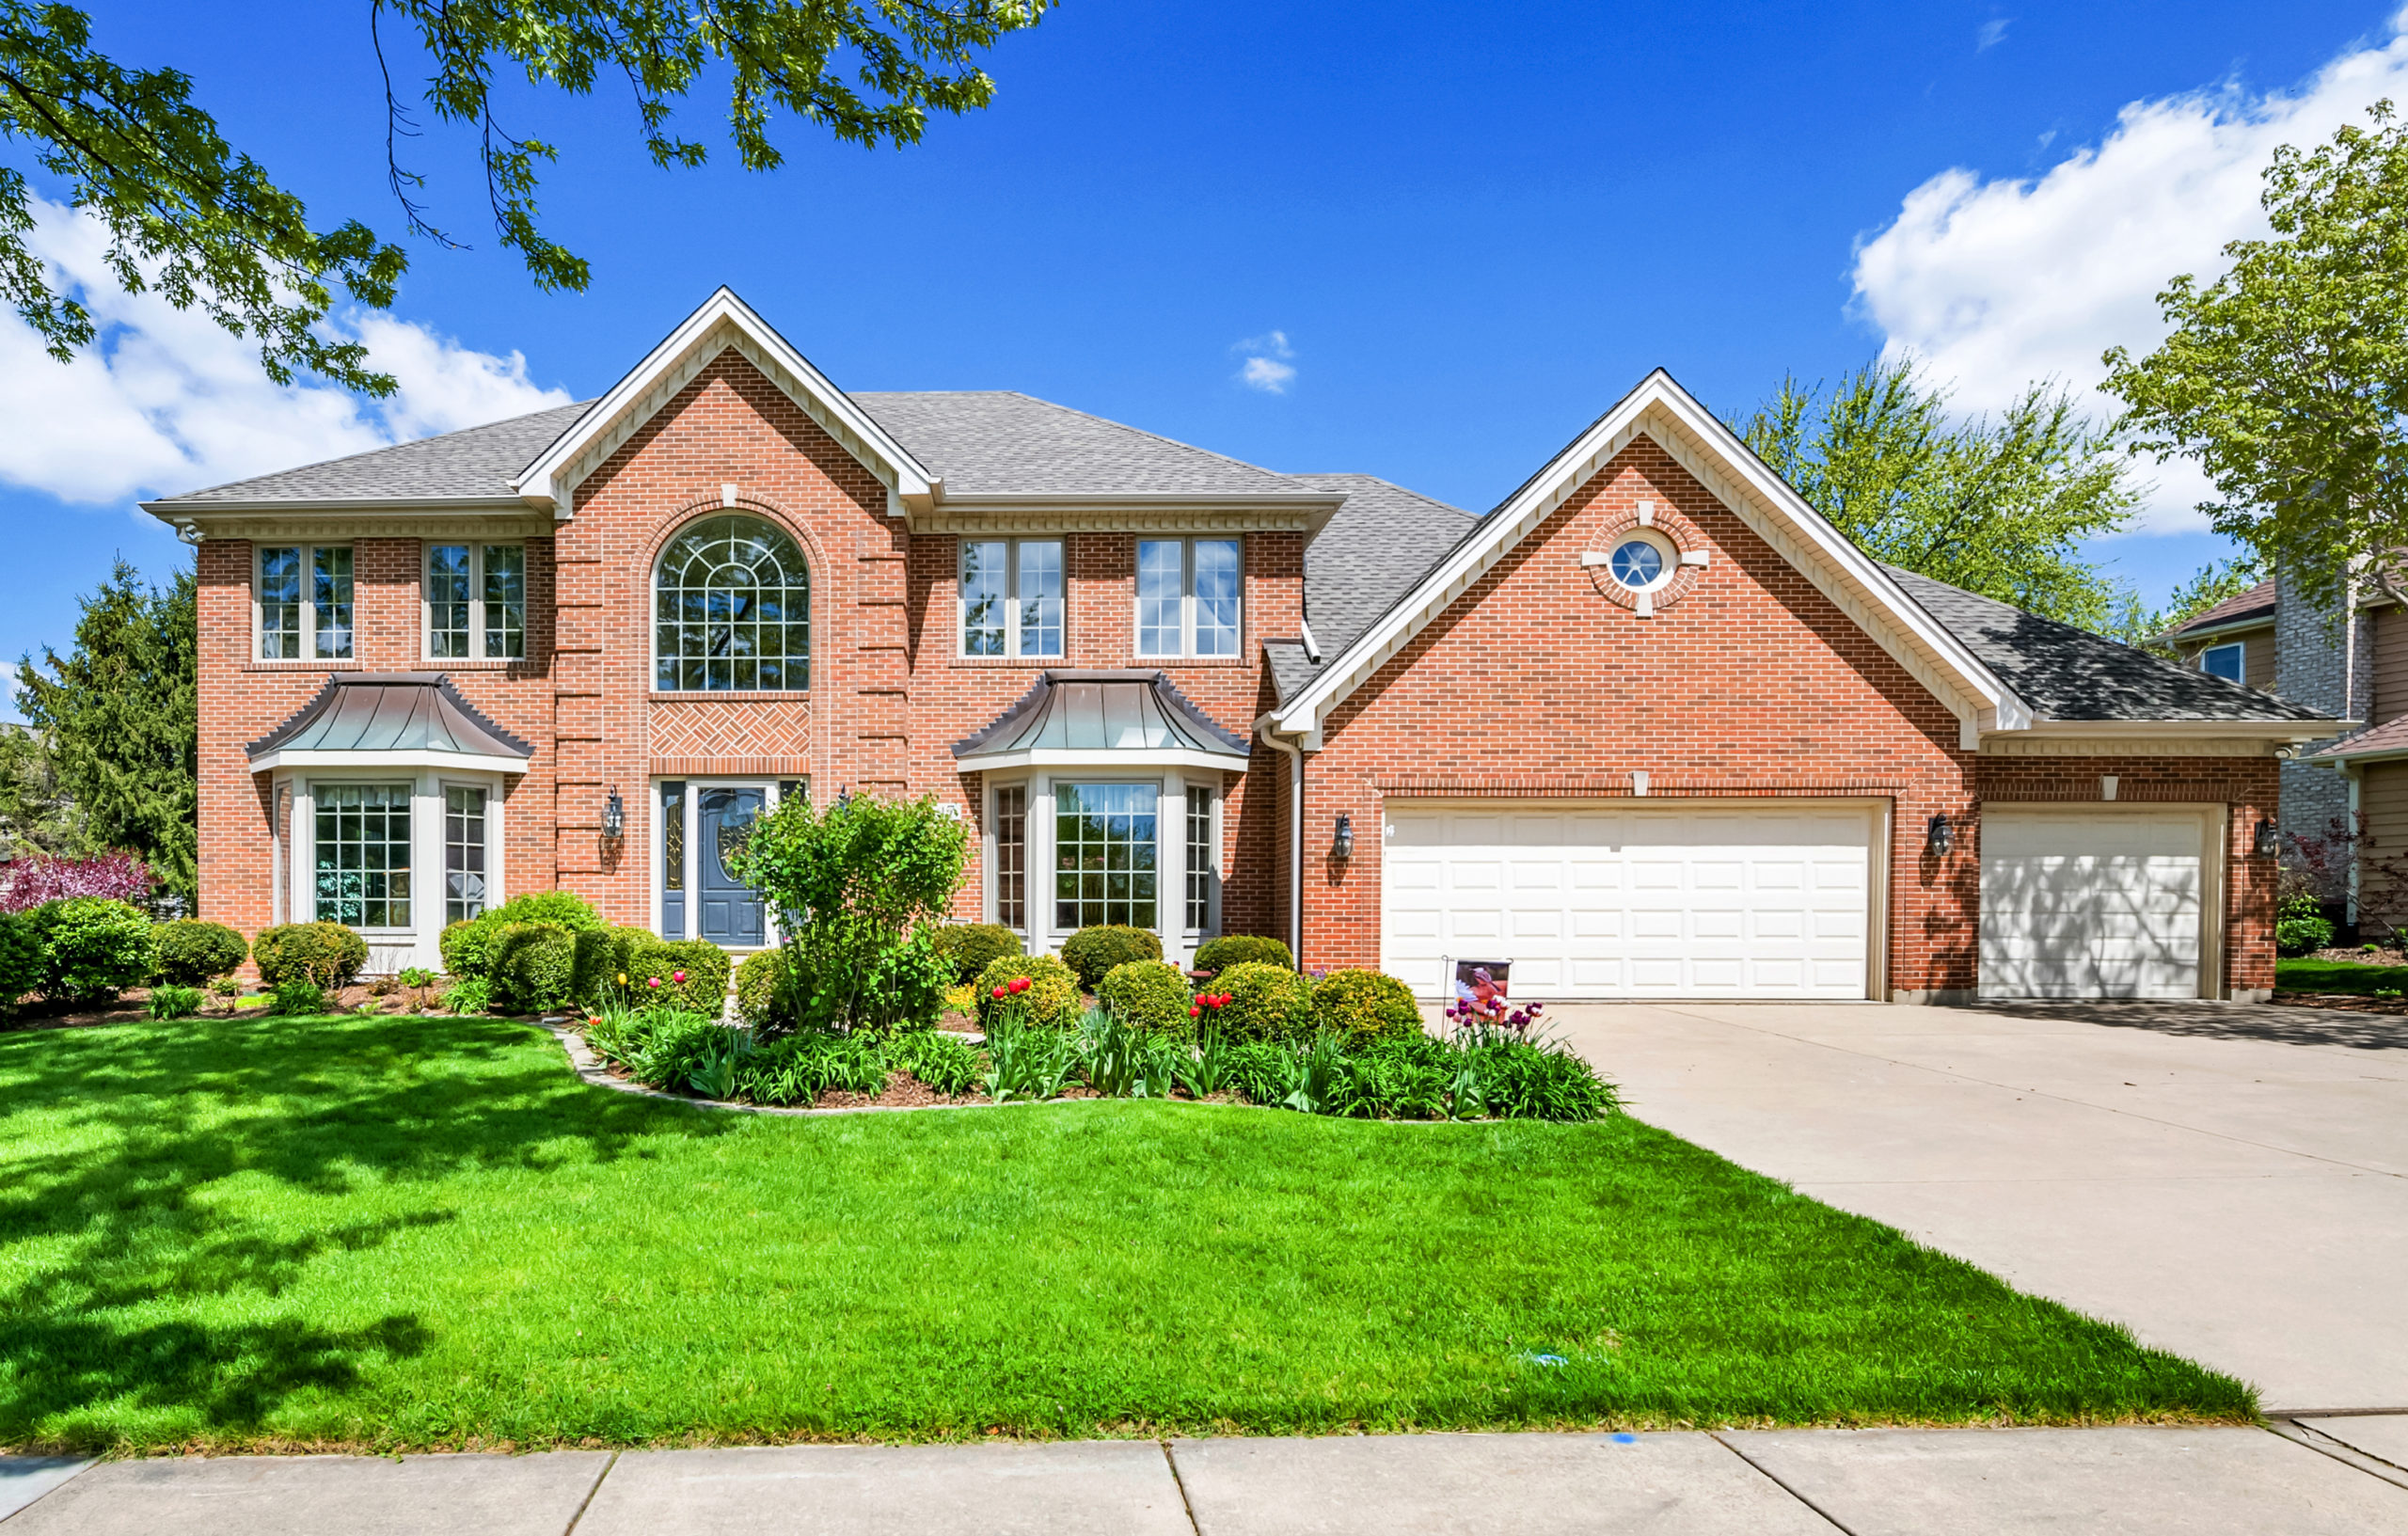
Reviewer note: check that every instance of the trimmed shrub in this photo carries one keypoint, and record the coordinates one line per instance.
(1091, 952)
(533, 964)
(92, 948)
(1052, 996)
(1149, 995)
(1241, 949)
(20, 960)
(467, 947)
(2301, 927)
(1365, 1006)
(761, 998)
(1266, 1002)
(703, 964)
(970, 947)
(469, 995)
(562, 908)
(328, 953)
(190, 951)
(601, 960)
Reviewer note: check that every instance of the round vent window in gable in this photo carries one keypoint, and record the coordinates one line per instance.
(1642, 562)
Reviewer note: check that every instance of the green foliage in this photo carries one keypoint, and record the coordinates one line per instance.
(1473, 1074)
(19, 960)
(761, 998)
(36, 814)
(948, 1063)
(1267, 1002)
(801, 1068)
(1027, 1061)
(970, 947)
(1092, 951)
(2286, 377)
(467, 947)
(298, 997)
(2300, 928)
(1207, 1070)
(535, 965)
(2147, 628)
(562, 908)
(1998, 506)
(1241, 949)
(1147, 995)
(1365, 1006)
(471, 947)
(1051, 1002)
(655, 964)
(469, 995)
(169, 1001)
(328, 953)
(191, 951)
(859, 877)
(92, 948)
(120, 713)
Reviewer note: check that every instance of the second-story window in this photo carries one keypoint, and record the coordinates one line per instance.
(2223, 661)
(476, 602)
(1188, 597)
(1011, 597)
(732, 608)
(303, 598)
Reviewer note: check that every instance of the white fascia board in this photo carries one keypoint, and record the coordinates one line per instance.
(2186, 730)
(177, 511)
(1660, 409)
(1015, 511)
(453, 762)
(2208, 631)
(722, 320)
(1106, 761)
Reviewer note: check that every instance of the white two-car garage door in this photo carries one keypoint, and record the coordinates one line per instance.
(1764, 898)
(2097, 902)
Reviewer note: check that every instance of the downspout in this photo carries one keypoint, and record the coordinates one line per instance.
(1295, 755)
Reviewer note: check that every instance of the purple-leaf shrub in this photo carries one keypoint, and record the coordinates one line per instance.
(40, 878)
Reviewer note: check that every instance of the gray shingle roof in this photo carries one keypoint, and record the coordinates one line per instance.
(990, 442)
(2071, 675)
(1381, 541)
(2258, 603)
(476, 461)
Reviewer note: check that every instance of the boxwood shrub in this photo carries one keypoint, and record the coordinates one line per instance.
(601, 960)
(1266, 1002)
(1052, 996)
(1243, 949)
(92, 948)
(1365, 1006)
(191, 952)
(20, 960)
(468, 945)
(325, 954)
(535, 965)
(1147, 995)
(761, 997)
(1093, 951)
(704, 965)
(970, 947)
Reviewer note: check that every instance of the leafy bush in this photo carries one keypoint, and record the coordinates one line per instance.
(1207, 1070)
(760, 994)
(904, 991)
(416, 978)
(2300, 928)
(970, 947)
(1261, 1072)
(562, 908)
(40, 879)
(20, 960)
(1365, 1006)
(1243, 949)
(655, 965)
(469, 995)
(467, 947)
(687, 1052)
(1527, 1080)
(1024, 1061)
(190, 952)
(92, 948)
(533, 965)
(328, 953)
(171, 1001)
(948, 1063)
(1149, 994)
(297, 997)
(1051, 1002)
(1092, 952)
(1266, 1002)
(801, 1068)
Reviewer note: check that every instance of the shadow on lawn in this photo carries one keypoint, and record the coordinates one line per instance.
(111, 1196)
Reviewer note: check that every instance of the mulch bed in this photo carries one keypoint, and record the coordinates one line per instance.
(2362, 957)
(902, 1091)
(2346, 1002)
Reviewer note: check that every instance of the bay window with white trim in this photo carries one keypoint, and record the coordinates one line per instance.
(1190, 597)
(396, 853)
(301, 602)
(1077, 848)
(1011, 597)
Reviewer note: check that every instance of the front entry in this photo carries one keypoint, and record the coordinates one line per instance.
(728, 912)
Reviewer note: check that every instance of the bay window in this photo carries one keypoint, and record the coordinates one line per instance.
(362, 853)
(1188, 597)
(1105, 855)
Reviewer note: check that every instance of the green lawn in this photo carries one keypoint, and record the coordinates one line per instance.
(402, 1232)
(2313, 975)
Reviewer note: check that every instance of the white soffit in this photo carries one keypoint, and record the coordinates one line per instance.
(1662, 411)
(724, 323)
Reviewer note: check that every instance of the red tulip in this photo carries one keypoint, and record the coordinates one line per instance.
(1019, 983)
(999, 992)
(1193, 1012)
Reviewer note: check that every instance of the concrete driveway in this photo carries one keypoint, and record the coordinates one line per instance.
(2229, 1180)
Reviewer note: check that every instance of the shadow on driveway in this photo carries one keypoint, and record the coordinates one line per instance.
(2226, 1021)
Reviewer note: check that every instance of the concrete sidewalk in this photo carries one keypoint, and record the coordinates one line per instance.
(2139, 1481)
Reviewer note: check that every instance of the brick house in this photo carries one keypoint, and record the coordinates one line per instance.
(1650, 727)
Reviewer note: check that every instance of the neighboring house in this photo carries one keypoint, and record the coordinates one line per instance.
(1650, 728)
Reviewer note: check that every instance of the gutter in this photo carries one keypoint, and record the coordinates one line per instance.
(1295, 755)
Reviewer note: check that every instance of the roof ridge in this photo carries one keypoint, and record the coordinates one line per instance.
(1382, 479)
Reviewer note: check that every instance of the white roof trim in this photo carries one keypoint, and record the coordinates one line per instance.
(1107, 759)
(457, 762)
(724, 323)
(1662, 411)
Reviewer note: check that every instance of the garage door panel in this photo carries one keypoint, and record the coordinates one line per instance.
(2092, 904)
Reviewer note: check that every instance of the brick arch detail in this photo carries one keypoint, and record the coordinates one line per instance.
(1667, 520)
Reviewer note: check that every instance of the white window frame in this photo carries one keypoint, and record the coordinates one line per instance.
(2240, 660)
(1665, 549)
(1211, 870)
(476, 549)
(1012, 650)
(308, 602)
(1186, 598)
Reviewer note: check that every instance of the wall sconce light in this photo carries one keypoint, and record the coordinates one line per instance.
(2269, 841)
(1343, 847)
(614, 815)
(1939, 836)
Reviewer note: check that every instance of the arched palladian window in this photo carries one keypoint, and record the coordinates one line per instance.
(732, 608)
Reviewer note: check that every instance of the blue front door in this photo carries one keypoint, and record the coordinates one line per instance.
(729, 911)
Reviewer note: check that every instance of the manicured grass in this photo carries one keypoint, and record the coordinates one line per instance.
(406, 1232)
(2314, 975)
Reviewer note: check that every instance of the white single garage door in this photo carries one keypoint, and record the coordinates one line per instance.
(1732, 899)
(2092, 903)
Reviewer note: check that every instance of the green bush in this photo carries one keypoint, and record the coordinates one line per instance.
(19, 960)
(191, 952)
(1052, 999)
(328, 953)
(298, 997)
(1241, 949)
(969, 948)
(1365, 1006)
(562, 908)
(703, 964)
(948, 1063)
(92, 948)
(533, 965)
(2301, 927)
(761, 997)
(600, 960)
(801, 1068)
(1147, 995)
(467, 947)
(171, 1001)
(1093, 951)
(1516, 1080)
(469, 995)
(1266, 1002)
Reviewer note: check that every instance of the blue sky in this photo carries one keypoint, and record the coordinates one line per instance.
(1468, 229)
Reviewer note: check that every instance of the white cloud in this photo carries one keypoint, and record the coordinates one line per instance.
(1996, 283)
(1267, 367)
(1991, 34)
(169, 401)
